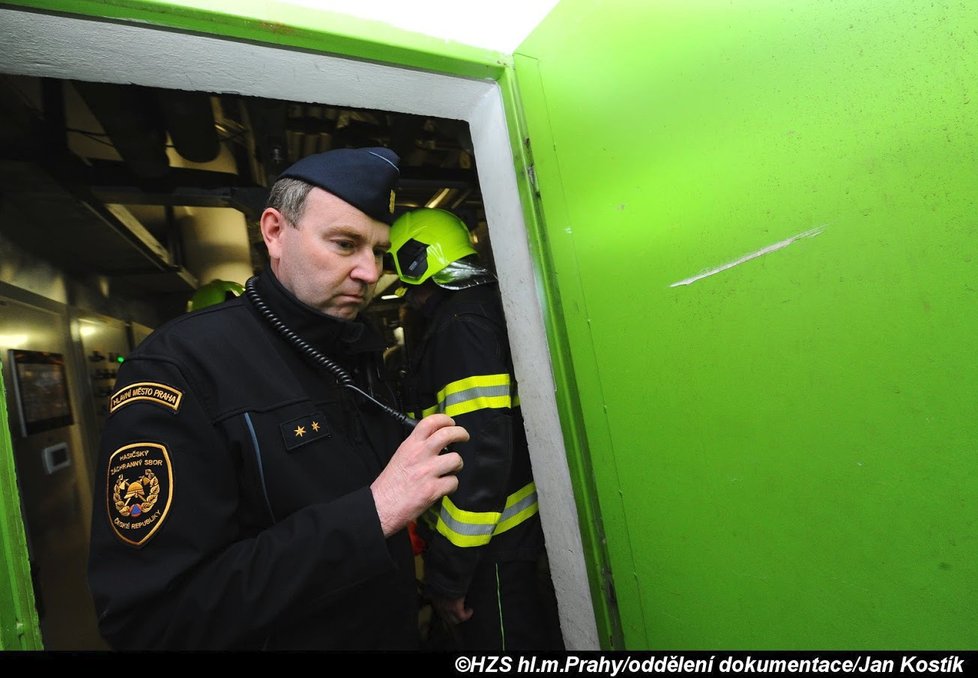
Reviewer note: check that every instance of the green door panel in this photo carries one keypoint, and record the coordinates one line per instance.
(763, 228)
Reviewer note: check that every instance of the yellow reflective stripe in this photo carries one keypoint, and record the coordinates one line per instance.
(429, 410)
(469, 528)
(469, 517)
(517, 519)
(466, 528)
(520, 494)
(520, 506)
(489, 391)
(474, 382)
(459, 539)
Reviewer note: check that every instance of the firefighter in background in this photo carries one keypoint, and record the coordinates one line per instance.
(215, 292)
(483, 563)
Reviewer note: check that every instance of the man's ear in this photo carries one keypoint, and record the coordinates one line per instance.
(272, 225)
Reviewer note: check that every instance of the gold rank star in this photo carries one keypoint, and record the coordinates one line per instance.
(315, 426)
(300, 431)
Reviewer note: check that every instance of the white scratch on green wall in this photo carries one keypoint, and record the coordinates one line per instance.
(753, 255)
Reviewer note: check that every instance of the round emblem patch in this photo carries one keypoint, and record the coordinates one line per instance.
(140, 488)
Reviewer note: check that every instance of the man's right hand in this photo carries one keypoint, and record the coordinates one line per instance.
(452, 610)
(418, 474)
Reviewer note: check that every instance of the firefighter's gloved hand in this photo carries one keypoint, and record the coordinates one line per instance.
(452, 610)
(418, 474)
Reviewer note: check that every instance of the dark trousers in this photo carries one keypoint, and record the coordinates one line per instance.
(514, 609)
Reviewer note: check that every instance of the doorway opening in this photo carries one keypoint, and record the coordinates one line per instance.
(361, 95)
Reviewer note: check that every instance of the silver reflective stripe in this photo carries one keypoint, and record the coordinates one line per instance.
(524, 503)
(466, 529)
(479, 529)
(476, 392)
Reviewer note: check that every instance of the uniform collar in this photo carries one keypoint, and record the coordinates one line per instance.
(330, 335)
(440, 296)
(434, 300)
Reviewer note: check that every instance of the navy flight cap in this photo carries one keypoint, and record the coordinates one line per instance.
(363, 177)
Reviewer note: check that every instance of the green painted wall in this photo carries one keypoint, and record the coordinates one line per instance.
(19, 628)
(784, 452)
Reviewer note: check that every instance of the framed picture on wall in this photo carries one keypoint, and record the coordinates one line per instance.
(40, 390)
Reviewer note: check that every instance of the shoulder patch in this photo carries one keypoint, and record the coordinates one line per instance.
(139, 490)
(161, 394)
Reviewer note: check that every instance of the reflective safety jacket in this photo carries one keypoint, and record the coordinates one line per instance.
(233, 507)
(463, 368)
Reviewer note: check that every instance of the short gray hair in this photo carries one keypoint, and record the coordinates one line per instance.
(288, 196)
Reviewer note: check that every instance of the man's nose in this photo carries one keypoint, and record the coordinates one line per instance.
(368, 268)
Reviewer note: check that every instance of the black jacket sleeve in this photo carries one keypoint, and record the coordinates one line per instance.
(470, 370)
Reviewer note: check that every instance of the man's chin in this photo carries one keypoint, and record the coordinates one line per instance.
(343, 311)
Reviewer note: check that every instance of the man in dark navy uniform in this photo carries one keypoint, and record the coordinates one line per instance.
(246, 498)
